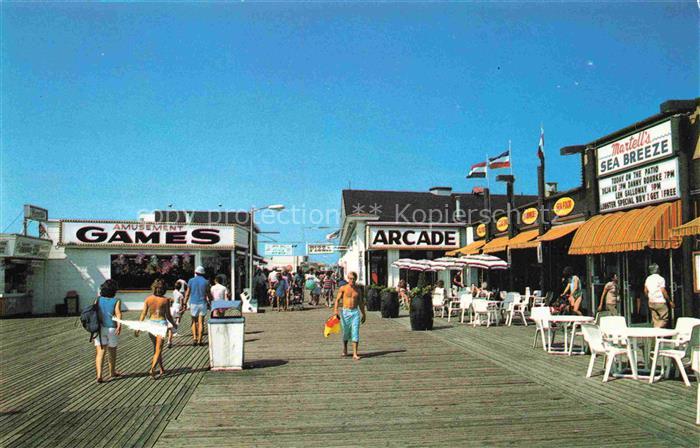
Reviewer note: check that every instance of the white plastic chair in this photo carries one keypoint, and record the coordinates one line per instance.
(537, 299)
(676, 348)
(613, 329)
(455, 304)
(594, 337)
(481, 308)
(465, 304)
(517, 306)
(541, 315)
(439, 301)
(504, 306)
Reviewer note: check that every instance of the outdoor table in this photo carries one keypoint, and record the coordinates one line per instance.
(569, 322)
(634, 335)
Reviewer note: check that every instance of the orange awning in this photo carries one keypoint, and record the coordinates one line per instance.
(495, 245)
(691, 228)
(647, 227)
(552, 234)
(469, 249)
(523, 238)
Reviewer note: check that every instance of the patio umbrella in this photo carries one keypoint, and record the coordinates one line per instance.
(484, 261)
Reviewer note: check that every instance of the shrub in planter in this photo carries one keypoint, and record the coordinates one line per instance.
(373, 300)
(421, 313)
(389, 303)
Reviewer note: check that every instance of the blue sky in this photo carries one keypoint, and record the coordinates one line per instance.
(108, 109)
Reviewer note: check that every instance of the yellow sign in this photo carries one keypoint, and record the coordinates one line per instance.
(563, 206)
(530, 215)
(481, 230)
(502, 224)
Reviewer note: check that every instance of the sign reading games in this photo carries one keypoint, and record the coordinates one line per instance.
(642, 186)
(143, 234)
(637, 149)
(427, 238)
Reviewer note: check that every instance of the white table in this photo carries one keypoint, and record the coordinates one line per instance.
(644, 334)
(569, 325)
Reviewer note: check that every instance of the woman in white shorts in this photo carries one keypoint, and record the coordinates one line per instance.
(177, 307)
(108, 307)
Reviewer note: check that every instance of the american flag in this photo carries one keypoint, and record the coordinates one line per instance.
(540, 147)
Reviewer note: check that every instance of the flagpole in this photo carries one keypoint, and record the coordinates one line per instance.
(510, 156)
(488, 185)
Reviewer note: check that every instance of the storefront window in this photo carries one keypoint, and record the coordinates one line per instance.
(139, 271)
(16, 275)
(378, 267)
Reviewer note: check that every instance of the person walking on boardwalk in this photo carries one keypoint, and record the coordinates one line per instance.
(198, 296)
(177, 307)
(350, 320)
(610, 296)
(157, 309)
(108, 307)
(329, 285)
(573, 290)
(281, 291)
(655, 290)
(219, 292)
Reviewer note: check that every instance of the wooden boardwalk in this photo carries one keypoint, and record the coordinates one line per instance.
(455, 386)
(48, 394)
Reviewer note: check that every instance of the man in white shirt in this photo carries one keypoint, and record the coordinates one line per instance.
(655, 289)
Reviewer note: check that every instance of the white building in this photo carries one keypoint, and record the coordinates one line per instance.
(169, 245)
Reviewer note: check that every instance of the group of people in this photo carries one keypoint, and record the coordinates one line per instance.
(283, 287)
(162, 313)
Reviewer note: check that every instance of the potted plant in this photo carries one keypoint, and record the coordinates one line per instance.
(389, 303)
(373, 298)
(421, 312)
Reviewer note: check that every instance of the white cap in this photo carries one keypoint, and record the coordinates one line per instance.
(199, 270)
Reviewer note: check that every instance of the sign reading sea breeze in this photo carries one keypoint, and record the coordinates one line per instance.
(278, 250)
(637, 149)
(530, 215)
(502, 224)
(320, 249)
(563, 206)
(481, 230)
(424, 238)
(143, 234)
(647, 185)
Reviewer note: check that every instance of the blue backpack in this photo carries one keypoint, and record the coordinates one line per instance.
(90, 320)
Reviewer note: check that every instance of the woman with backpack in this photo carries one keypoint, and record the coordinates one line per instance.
(108, 307)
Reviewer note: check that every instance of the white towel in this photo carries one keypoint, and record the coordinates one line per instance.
(155, 328)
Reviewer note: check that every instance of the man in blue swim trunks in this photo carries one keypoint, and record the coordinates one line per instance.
(198, 296)
(350, 320)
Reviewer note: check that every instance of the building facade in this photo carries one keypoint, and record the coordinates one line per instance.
(381, 227)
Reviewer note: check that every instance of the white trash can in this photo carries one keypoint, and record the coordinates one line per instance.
(226, 339)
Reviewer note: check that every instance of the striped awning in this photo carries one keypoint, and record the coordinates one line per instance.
(495, 245)
(521, 238)
(691, 228)
(469, 249)
(552, 234)
(647, 227)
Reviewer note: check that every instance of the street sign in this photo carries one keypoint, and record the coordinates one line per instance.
(35, 213)
(320, 249)
(278, 249)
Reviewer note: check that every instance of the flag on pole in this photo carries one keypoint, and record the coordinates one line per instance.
(540, 146)
(500, 161)
(477, 170)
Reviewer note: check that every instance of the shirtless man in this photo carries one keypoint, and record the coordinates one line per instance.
(157, 308)
(353, 306)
